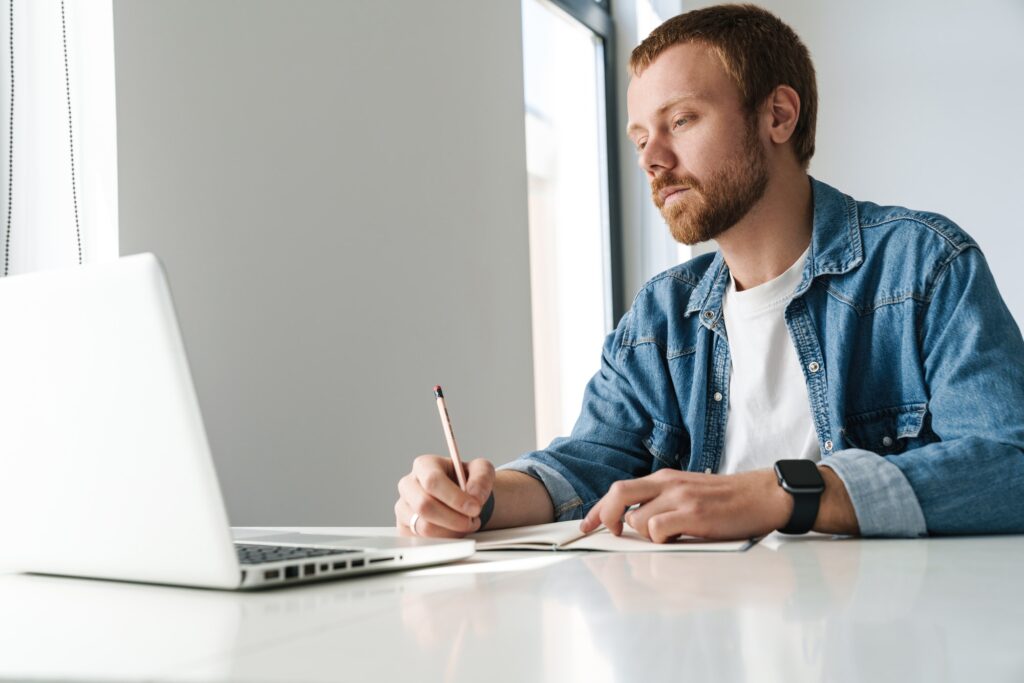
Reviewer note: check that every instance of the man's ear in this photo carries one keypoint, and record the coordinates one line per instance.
(783, 107)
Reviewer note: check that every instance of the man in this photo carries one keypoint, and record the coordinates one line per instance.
(837, 365)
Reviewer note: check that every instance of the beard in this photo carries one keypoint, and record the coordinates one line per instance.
(717, 203)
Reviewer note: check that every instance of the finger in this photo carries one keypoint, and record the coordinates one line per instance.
(667, 526)
(606, 512)
(402, 517)
(639, 517)
(436, 476)
(621, 495)
(425, 528)
(592, 520)
(432, 510)
(599, 515)
(480, 481)
(403, 520)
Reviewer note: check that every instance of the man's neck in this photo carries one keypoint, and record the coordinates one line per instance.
(773, 235)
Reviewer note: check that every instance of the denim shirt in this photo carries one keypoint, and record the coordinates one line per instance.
(914, 369)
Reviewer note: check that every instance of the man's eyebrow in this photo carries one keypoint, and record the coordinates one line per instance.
(668, 104)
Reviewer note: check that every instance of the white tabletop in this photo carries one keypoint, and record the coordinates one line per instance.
(804, 609)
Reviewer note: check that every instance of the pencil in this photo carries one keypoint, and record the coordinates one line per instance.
(453, 448)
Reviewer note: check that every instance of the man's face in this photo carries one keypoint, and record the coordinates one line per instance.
(700, 149)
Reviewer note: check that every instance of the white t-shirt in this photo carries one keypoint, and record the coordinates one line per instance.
(769, 413)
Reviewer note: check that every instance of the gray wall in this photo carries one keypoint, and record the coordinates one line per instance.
(338, 192)
(920, 105)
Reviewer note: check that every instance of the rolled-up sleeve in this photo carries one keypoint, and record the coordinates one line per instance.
(883, 500)
(563, 496)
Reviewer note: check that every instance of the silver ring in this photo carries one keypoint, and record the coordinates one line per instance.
(412, 523)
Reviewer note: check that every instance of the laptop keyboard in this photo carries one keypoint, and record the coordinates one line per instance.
(249, 553)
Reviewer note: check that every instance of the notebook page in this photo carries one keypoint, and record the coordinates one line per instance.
(631, 541)
(536, 537)
(567, 536)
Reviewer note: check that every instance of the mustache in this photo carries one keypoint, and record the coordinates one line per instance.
(671, 180)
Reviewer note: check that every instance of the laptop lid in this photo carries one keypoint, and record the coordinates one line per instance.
(105, 470)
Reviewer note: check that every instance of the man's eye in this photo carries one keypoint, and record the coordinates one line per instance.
(682, 120)
(640, 146)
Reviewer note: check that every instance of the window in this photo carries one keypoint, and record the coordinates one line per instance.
(60, 173)
(573, 227)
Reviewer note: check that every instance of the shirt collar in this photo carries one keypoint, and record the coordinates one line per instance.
(836, 247)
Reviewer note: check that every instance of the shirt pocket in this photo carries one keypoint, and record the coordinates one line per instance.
(663, 444)
(887, 431)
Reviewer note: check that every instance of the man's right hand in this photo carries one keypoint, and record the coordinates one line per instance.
(431, 491)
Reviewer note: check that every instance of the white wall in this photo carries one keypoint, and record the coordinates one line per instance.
(924, 109)
(338, 190)
(920, 105)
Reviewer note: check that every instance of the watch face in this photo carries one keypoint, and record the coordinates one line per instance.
(799, 474)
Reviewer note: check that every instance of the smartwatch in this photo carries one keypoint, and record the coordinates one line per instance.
(802, 480)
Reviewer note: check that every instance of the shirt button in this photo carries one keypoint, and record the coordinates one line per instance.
(813, 366)
(709, 314)
(886, 441)
(718, 395)
(828, 445)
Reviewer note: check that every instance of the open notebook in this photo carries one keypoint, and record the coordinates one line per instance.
(567, 536)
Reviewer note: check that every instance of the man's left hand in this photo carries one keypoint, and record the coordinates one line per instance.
(719, 506)
(674, 503)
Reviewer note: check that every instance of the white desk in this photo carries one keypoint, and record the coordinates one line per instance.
(809, 609)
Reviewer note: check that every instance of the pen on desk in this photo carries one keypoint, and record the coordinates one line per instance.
(453, 448)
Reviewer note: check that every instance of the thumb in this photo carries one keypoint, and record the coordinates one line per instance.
(481, 479)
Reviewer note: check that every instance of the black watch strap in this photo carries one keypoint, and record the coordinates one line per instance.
(805, 512)
(802, 480)
(487, 511)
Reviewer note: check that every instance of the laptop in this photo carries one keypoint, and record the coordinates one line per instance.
(105, 468)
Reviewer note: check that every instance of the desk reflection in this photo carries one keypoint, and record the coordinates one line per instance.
(806, 609)
(786, 610)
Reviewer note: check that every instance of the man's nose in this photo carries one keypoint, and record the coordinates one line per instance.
(656, 156)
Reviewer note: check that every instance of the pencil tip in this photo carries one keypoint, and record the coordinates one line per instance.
(437, 391)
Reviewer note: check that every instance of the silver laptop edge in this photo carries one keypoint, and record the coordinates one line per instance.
(107, 472)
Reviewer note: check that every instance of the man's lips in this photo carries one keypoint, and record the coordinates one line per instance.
(667, 192)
